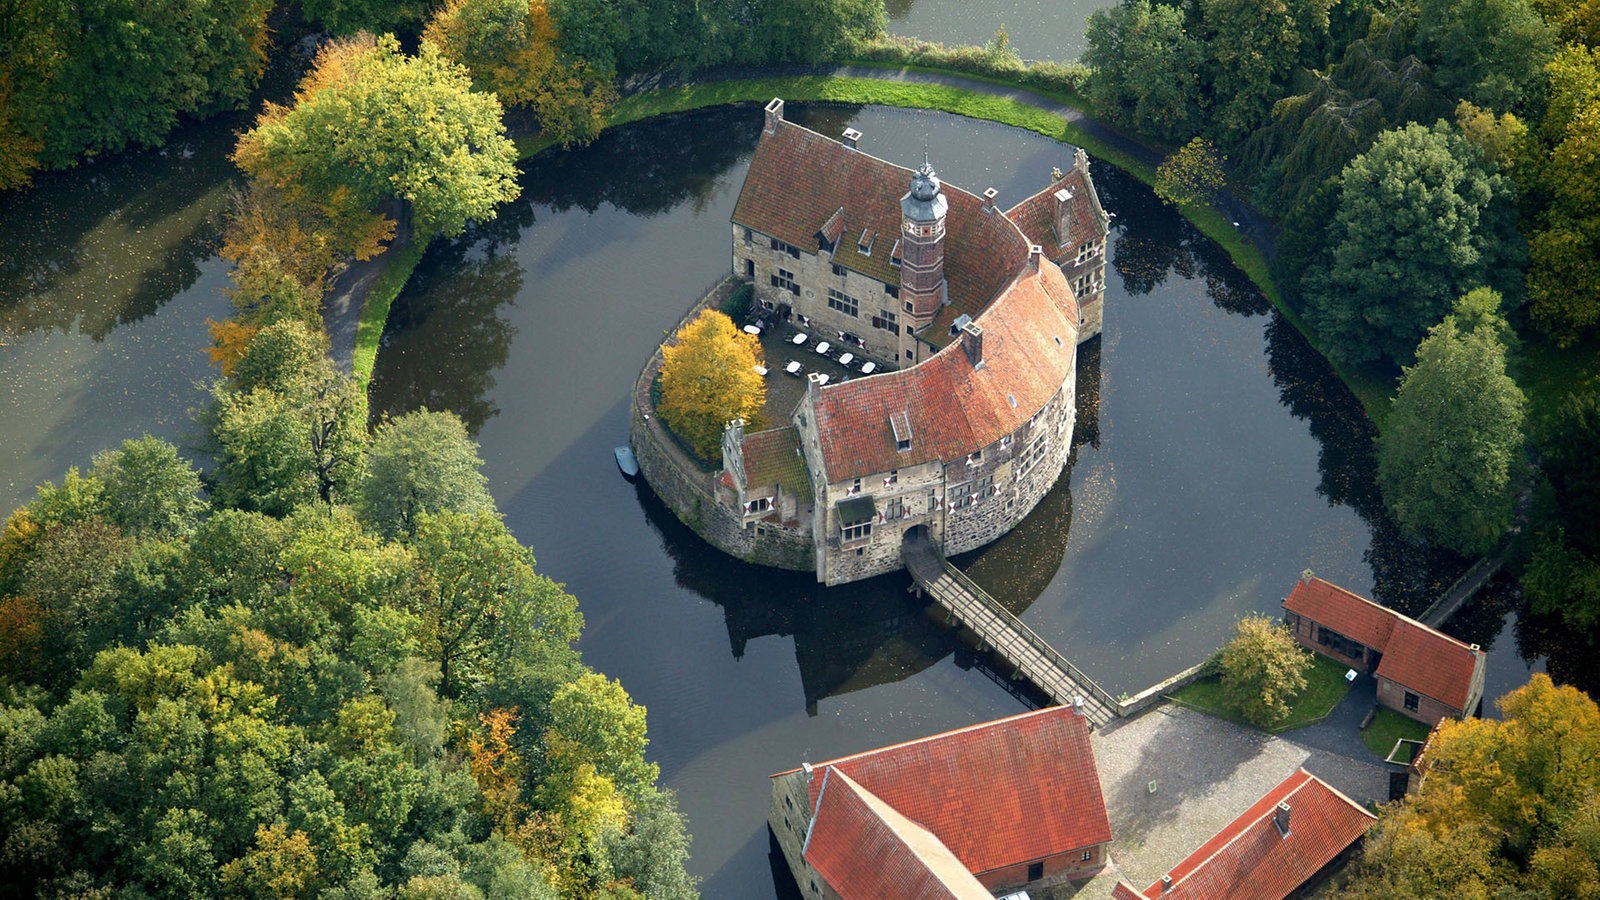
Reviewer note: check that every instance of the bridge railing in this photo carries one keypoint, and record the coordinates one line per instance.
(1032, 639)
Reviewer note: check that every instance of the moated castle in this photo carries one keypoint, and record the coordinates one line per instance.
(973, 316)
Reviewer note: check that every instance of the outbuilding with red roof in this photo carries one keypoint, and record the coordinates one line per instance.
(1015, 803)
(1421, 672)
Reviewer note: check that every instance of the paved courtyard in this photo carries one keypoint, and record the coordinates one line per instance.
(1207, 771)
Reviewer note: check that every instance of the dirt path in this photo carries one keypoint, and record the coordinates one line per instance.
(341, 308)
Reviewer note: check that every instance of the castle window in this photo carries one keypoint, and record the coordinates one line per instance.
(856, 532)
(759, 505)
(894, 291)
(843, 303)
(784, 247)
(894, 477)
(838, 270)
(1087, 855)
(974, 457)
(1412, 700)
(885, 320)
(749, 236)
(985, 487)
(895, 509)
(963, 495)
(785, 281)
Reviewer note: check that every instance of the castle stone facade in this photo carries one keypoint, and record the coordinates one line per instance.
(974, 314)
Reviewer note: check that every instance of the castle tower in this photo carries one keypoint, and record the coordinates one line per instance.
(922, 212)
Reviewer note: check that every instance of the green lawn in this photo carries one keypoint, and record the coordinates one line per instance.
(375, 309)
(1389, 726)
(1325, 687)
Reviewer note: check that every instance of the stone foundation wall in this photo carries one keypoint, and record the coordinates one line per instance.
(789, 816)
(690, 492)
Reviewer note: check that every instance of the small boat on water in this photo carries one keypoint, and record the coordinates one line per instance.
(626, 462)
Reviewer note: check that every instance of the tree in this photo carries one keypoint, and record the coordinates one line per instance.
(148, 489)
(510, 48)
(376, 123)
(477, 586)
(421, 463)
(84, 79)
(593, 720)
(708, 379)
(1193, 174)
(1446, 460)
(376, 16)
(1564, 164)
(1507, 808)
(650, 854)
(1145, 67)
(1420, 222)
(1262, 669)
(1252, 48)
(1489, 52)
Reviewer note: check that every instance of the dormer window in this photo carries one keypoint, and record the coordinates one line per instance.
(894, 255)
(865, 242)
(900, 424)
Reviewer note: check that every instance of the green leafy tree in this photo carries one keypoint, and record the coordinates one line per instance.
(1251, 48)
(376, 16)
(477, 585)
(147, 489)
(1446, 460)
(423, 462)
(650, 854)
(376, 124)
(1145, 69)
(1489, 52)
(1564, 166)
(593, 720)
(1420, 222)
(1193, 174)
(1262, 669)
(91, 78)
(278, 355)
(708, 379)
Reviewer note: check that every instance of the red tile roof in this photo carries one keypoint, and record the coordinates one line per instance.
(1086, 221)
(799, 179)
(863, 848)
(1251, 859)
(1013, 790)
(1430, 663)
(772, 457)
(1348, 613)
(1030, 340)
(1414, 656)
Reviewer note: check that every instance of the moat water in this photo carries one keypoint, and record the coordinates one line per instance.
(1218, 455)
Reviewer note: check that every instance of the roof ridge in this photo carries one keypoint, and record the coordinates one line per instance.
(1392, 611)
(1245, 829)
(992, 723)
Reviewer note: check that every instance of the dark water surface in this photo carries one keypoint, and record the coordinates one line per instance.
(1039, 29)
(1218, 458)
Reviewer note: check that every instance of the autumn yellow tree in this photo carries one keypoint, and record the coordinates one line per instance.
(510, 48)
(1507, 808)
(1263, 669)
(709, 378)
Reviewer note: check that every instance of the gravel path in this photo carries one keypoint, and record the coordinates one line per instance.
(1207, 771)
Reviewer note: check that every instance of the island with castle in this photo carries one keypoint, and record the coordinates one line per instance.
(971, 315)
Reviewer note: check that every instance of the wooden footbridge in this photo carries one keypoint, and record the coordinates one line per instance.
(999, 631)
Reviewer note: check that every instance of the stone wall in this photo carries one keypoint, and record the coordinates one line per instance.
(690, 492)
(789, 816)
(814, 274)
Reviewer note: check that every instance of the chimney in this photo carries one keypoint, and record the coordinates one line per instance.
(1035, 253)
(852, 137)
(1063, 207)
(988, 199)
(972, 342)
(1280, 818)
(774, 115)
(1166, 883)
(813, 385)
(806, 767)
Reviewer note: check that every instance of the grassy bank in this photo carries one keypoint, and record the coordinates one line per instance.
(1389, 726)
(375, 309)
(1372, 390)
(1325, 687)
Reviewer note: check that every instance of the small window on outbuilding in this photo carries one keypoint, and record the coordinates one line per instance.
(1412, 700)
(1035, 871)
